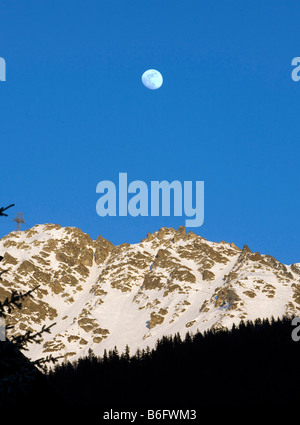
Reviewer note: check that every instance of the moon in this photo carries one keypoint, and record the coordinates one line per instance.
(152, 79)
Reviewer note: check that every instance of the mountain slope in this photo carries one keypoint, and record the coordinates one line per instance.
(102, 295)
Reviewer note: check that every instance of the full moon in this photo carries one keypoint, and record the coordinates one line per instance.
(152, 79)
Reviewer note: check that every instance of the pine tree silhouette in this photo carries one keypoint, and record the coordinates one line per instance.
(20, 377)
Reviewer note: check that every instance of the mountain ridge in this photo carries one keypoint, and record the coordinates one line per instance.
(101, 295)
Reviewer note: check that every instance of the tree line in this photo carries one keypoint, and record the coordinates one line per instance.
(254, 363)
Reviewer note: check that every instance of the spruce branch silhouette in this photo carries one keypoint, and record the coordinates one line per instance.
(24, 372)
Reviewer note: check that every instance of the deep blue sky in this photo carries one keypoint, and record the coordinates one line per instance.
(74, 112)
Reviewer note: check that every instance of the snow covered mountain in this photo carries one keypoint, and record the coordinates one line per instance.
(101, 296)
